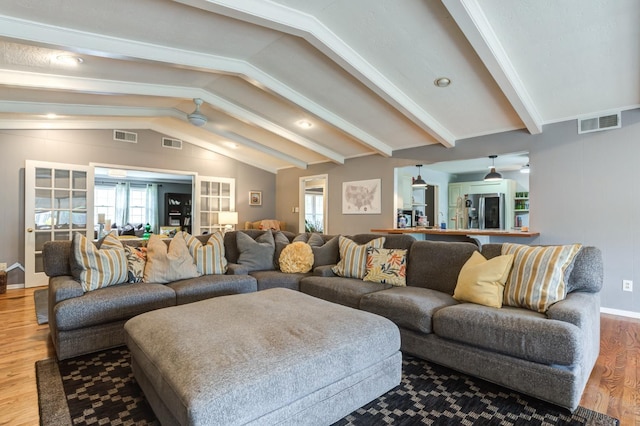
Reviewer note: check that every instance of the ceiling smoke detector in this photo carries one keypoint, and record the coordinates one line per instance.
(196, 117)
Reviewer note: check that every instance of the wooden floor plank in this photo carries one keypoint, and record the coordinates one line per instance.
(613, 387)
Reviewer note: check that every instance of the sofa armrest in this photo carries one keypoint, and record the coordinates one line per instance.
(62, 288)
(237, 269)
(324, 271)
(578, 308)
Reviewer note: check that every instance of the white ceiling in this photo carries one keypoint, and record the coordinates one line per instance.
(361, 71)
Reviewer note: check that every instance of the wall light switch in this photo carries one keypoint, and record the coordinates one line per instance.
(627, 285)
(297, 209)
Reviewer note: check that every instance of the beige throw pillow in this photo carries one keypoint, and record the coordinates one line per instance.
(297, 257)
(168, 264)
(481, 281)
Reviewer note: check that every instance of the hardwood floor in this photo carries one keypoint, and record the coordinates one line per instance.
(613, 388)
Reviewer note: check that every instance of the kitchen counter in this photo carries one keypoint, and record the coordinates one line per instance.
(466, 232)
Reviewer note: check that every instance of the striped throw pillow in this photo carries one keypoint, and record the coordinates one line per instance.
(353, 257)
(209, 258)
(537, 278)
(97, 268)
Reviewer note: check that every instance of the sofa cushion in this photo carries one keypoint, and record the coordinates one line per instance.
(208, 286)
(209, 257)
(482, 281)
(115, 303)
(353, 257)
(168, 264)
(97, 268)
(345, 291)
(297, 257)
(278, 279)
(436, 264)
(386, 266)
(517, 332)
(537, 277)
(409, 307)
(256, 255)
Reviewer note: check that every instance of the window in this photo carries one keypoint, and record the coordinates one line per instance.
(313, 212)
(137, 204)
(105, 202)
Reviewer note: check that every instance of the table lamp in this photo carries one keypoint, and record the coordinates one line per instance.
(228, 219)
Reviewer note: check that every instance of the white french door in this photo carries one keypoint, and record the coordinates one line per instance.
(58, 201)
(213, 195)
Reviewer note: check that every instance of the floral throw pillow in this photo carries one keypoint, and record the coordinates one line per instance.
(136, 259)
(388, 266)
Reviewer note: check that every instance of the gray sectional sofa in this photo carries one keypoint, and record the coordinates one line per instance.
(548, 356)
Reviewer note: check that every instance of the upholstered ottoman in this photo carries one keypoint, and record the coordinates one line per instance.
(272, 357)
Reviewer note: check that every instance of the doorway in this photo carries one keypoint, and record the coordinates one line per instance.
(313, 215)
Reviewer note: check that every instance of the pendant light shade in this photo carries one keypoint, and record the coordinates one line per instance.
(419, 182)
(493, 175)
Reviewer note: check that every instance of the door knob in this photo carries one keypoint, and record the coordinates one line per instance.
(29, 229)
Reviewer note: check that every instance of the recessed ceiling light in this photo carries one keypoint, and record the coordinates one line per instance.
(305, 124)
(51, 116)
(69, 59)
(231, 145)
(442, 82)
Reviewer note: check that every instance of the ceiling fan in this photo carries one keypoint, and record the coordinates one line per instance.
(196, 117)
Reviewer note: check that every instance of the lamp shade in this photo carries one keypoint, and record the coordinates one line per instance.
(418, 182)
(493, 175)
(228, 218)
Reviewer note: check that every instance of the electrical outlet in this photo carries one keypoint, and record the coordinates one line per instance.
(3, 266)
(627, 285)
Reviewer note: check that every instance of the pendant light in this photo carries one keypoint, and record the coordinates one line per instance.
(493, 175)
(419, 182)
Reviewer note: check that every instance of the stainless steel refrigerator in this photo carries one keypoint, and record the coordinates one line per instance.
(485, 211)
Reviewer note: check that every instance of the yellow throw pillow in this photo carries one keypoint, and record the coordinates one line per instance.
(209, 258)
(387, 266)
(297, 257)
(481, 281)
(168, 264)
(353, 257)
(537, 278)
(97, 268)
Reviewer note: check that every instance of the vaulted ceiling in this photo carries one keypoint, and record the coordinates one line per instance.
(361, 72)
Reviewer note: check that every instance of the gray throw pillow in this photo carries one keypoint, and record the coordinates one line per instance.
(324, 253)
(281, 242)
(256, 255)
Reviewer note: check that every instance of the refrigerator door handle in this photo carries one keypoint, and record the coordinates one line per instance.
(481, 204)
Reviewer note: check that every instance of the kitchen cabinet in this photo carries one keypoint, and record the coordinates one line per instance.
(178, 211)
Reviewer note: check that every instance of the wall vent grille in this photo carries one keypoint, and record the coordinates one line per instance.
(171, 143)
(122, 136)
(599, 123)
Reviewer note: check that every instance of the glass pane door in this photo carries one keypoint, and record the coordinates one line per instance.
(214, 195)
(57, 198)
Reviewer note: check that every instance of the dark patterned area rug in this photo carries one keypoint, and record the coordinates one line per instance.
(99, 389)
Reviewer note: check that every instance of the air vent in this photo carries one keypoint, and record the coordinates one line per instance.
(596, 124)
(171, 143)
(122, 136)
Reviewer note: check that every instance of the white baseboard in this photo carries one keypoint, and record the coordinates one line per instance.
(14, 286)
(620, 313)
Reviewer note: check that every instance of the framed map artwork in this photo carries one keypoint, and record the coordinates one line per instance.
(361, 197)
